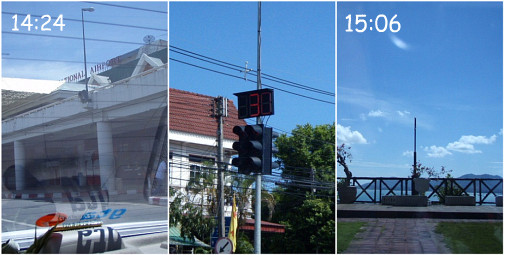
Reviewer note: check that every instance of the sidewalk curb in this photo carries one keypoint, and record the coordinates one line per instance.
(158, 201)
(64, 196)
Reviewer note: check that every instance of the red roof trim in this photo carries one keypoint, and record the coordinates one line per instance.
(192, 113)
(265, 226)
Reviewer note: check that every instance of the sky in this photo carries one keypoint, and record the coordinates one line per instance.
(297, 45)
(444, 67)
(37, 54)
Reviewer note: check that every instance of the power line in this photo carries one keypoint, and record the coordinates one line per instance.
(292, 179)
(183, 62)
(92, 22)
(241, 69)
(238, 77)
(127, 7)
(77, 38)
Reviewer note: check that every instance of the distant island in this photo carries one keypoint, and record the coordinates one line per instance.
(480, 176)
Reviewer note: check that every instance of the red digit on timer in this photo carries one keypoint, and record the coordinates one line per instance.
(254, 105)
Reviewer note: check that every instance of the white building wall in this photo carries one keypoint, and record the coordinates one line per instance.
(124, 100)
(181, 146)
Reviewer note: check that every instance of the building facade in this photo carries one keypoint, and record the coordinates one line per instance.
(67, 141)
(193, 130)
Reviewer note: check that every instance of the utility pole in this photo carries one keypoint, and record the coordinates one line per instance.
(257, 206)
(220, 111)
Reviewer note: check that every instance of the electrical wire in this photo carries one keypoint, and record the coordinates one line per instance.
(263, 84)
(92, 22)
(76, 38)
(114, 41)
(241, 69)
(127, 7)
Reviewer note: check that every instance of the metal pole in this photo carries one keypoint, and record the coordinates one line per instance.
(414, 192)
(84, 44)
(257, 207)
(91, 9)
(220, 108)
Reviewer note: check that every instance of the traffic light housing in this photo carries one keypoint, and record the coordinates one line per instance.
(249, 147)
(255, 149)
(268, 150)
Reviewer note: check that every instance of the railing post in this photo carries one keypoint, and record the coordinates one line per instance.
(375, 191)
(380, 188)
(474, 188)
(480, 191)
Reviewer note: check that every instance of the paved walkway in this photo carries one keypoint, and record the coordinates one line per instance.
(399, 235)
(364, 210)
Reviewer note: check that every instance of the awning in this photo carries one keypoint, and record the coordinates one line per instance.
(267, 227)
(177, 239)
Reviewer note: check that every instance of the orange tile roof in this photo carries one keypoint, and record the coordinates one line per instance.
(192, 113)
(265, 226)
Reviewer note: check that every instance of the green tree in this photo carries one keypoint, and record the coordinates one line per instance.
(308, 147)
(308, 154)
(196, 208)
(343, 155)
(306, 204)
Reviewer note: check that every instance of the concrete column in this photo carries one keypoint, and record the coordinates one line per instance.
(106, 156)
(19, 164)
(81, 163)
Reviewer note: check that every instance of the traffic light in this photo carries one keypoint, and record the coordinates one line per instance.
(268, 150)
(255, 149)
(249, 147)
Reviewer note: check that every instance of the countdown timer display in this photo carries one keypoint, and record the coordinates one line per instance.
(255, 103)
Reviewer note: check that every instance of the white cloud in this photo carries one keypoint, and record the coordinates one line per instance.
(399, 42)
(407, 153)
(42, 71)
(437, 151)
(377, 113)
(465, 144)
(462, 147)
(403, 113)
(477, 139)
(347, 136)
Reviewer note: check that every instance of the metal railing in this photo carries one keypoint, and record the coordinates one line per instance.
(371, 189)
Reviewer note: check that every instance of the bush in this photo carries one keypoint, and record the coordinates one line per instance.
(450, 189)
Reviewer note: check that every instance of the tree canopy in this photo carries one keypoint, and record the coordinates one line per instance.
(307, 205)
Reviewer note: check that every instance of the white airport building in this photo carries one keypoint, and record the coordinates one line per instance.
(59, 141)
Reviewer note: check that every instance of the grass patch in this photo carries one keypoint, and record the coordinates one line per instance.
(346, 232)
(472, 237)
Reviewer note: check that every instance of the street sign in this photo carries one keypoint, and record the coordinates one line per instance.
(223, 246)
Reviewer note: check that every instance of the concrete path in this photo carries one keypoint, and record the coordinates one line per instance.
(363, 210)
(394, 235)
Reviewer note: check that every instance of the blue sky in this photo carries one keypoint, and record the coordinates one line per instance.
(298, 44)
(444, 67)
(69, 52)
